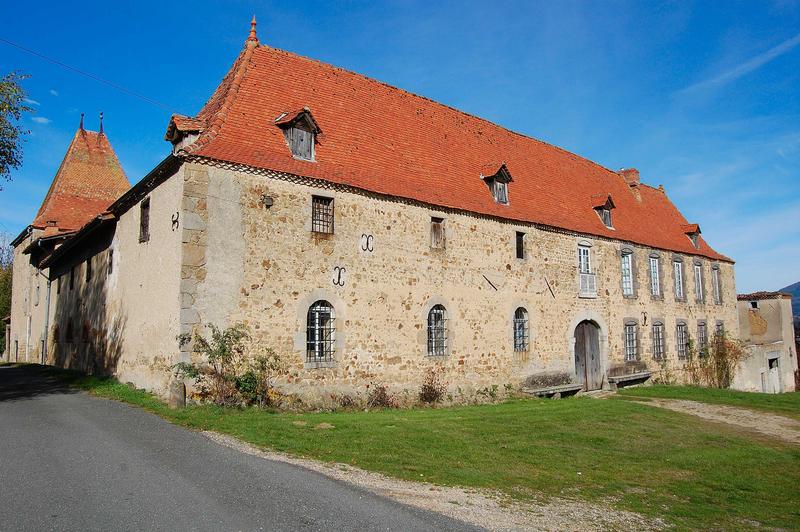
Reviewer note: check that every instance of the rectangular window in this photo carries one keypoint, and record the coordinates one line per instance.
(36, 298)
(144, 220)
(627, 274)
(58, 284)
(88, 269)
(631, 345)
(655, 279)
(702, 338)
(678, 275)
(500, 190)
(110, 269)
(698, 283)
(658, 341)
(720, 328)
(715, 286)
(584, 259)
(72, 278)
(682, 334)
(520, 245)
(588, 281)
(605, 215)
(301, 142)
(321, 214)
(437, 233)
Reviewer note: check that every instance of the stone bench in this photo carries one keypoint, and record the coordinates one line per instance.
(620, 381)
(554, 391)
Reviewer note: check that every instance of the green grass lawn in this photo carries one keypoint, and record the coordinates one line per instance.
(787, 404)
(653, 461)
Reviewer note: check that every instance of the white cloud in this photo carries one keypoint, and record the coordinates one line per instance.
(745, 67)
(54, 92)
(41, 120)
(30, 102)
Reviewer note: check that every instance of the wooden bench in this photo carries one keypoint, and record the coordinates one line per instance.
(554, 391)
(620, 381)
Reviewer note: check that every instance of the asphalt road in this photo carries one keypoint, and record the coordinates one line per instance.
(70, 461)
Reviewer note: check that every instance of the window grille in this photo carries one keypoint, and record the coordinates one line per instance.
(437, 331)
(702, 338)
(500, 191)
(144, 220)
(655, 280)
(520, 245)
(437, 233)
(320, 333)
(631, 343)
(301, 142)
(698, 283)
(521, 330)
(658, 341)
(678, 267)
(716, 286)
(683, 341)
(627, 274)
(321, 214)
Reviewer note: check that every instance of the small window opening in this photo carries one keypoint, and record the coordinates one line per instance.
(500, 190)
(72, 278)
(321, 214)
(301, 141)
(520, 245)
(437, 331)
(521, 330)
(110, 269)
(437, 233)
(144, 220)
(605, 216)
(88, 269)
(320, 339)
(631, 342)
(754, 304)
(658, 341)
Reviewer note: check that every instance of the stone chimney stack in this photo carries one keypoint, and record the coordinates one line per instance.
(630, 175)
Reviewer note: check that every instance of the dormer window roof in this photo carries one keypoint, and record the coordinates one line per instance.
(693, 232)
(602, 205)
(300, 130)
(497, 179)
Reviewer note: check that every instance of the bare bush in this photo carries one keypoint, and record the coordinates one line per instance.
(715, 366)
(379, 397)
(433, 387)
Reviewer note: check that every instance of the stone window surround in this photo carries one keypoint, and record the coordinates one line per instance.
(512, 309)
(660, 280)
(704, 323)
(685, 323)
(309, 210)
(716, 267)
(587, 244)
(626, 249)
(703, 295)
(300, 337)
(653, 323)
(449, 330)
(679, 259)
(635, 323)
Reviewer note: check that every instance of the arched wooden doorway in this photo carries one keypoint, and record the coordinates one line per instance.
(587, 355)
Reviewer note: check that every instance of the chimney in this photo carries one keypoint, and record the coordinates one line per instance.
(630, 175)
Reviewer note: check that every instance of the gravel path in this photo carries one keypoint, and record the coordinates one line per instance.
(773, 425)
(482, 508)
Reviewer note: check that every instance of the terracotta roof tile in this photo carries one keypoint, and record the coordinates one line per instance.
(89, 179)
(386, 140)
(758, 296)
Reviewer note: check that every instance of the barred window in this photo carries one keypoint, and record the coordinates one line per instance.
(682, 333)
(521, 330)
(678, 269)
(321, 214)
(437, 331)
(320, 332)
(698, 283)
(627, 273)
(655, 279)
(631, 343)
(702, 338)
(658, 340)
(437, 233)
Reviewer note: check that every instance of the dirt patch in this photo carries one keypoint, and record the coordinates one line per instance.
(780, 427)
(483, 508)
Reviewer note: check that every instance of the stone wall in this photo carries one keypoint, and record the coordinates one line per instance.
(379, 272)
(28, 305)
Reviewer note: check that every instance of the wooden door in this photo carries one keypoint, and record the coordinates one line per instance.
(587, 355)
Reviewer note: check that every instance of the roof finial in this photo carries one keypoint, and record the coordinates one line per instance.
(81, 126)
(252, 39)
(101, 122)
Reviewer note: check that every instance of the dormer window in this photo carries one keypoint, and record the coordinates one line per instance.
(301, 131)
(498, 182)
(693, 232)
(602, 206)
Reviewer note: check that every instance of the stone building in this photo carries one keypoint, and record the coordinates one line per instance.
(766, 324)
(367, 234)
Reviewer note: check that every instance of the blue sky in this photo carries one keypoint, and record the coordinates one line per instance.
(703, 97)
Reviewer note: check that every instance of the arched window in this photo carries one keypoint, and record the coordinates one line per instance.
(320, 332)
(437, 331)
(521, 330)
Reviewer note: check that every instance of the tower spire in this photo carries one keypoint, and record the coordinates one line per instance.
(252, 39)
(81, 126)
(101, 122)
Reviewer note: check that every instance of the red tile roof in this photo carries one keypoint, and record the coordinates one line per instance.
(89, 179)
(759, 296)
(386, 140)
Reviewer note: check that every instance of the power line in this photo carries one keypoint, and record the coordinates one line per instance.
(88, 75)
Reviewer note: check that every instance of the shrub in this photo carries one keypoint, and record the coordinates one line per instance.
(433, 387)
(716, 366)
(379, 397)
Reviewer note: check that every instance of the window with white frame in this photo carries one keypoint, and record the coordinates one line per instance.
(655, 277)
(631, 342)
(320, 332)
(658, 340)
(678, 277)
(437, 331)
(584, 259)
(588, 281)
(627, 273)
(521, 330)
(682, 334)
(698, 283)
(715, 286)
